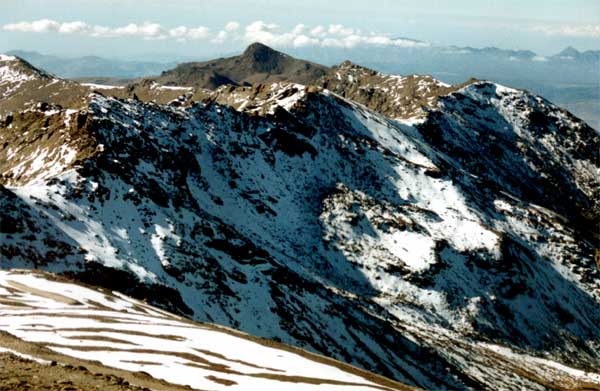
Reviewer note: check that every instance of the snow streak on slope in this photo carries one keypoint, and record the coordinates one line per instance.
(11, 78)
(128, 334)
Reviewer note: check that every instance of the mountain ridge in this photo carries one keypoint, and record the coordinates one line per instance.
(399, 245)
(568, 80)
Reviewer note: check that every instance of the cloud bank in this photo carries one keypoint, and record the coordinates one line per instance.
(334, 35)
(146, 30)
(584, 31)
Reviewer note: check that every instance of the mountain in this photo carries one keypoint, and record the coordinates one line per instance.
(445, 245)
(572, 54)
(492, 51)
(395, 96)
(22, 87)
(258, 64)
(147, 345)
(92, 66)
(568, 79)
(569, 53)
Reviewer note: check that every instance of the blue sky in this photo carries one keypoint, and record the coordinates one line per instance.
(130, 28)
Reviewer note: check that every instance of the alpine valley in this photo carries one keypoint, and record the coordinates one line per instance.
(422, 234)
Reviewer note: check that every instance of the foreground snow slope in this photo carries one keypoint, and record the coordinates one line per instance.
(128, 334)
(440, 254)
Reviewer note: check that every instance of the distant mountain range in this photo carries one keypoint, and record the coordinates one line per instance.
(568, 54)
(572, 54)
(92, 66)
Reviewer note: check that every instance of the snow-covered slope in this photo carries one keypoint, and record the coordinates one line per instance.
(128, 334)
(438, 254)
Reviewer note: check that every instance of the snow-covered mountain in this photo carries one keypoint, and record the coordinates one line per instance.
(450, 247)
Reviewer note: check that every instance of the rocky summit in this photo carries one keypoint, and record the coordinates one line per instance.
(444, 237)
(258, 64)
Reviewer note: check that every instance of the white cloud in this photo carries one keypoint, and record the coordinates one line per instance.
(299, 29)
(267, 33)
(303, 40)
(409, 43)
(539, 58)
(334, 35)
(318, 31)
(200, 33)
(74, 27)
(146, 30)
(232, 26)
(259, 26)
(221, 37)
(590, 31)
(38, 26)
(339, 30)
(179, 32)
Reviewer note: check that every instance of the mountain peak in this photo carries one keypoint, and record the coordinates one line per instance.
(5, 57)
(349, 64)
(17, 63)
(258, 47)
(257, 64)
(14, 69)
(262, 56)
(569, 51)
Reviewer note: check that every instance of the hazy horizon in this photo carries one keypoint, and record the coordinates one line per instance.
(153, 29)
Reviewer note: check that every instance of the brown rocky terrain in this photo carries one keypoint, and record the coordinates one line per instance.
(258, 64)
(31, 366)
(24, 87)
(399, 97)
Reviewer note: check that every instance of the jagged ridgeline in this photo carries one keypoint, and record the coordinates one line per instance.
(441, 236)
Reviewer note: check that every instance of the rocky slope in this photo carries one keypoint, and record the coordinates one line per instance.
(24, 87)
(397, 97)
(438, 251)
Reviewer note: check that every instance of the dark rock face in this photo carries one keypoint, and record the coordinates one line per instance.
(263, 59)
